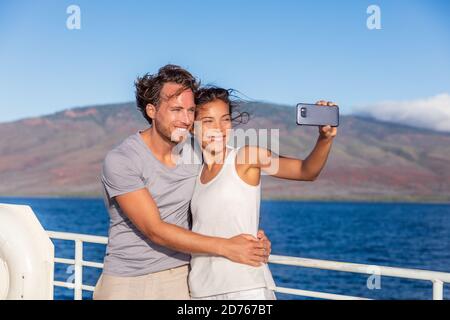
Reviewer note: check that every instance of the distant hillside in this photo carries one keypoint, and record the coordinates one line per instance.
(61, 154)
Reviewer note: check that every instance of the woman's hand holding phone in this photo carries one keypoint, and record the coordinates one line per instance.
(327, 132)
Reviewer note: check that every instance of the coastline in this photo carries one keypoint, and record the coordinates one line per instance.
(370, 199)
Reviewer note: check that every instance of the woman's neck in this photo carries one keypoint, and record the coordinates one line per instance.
(213, 158)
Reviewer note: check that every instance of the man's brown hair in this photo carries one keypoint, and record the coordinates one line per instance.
(148, 87)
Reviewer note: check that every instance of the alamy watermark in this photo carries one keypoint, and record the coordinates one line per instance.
(191, 149)
(374, 20)
(73, 21)
(374, 281)
(71, 271)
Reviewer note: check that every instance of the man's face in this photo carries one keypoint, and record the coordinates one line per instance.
(174, 116)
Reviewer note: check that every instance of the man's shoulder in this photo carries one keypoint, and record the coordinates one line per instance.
(127, 151)
(123, 168)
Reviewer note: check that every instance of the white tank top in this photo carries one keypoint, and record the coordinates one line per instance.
(225, 207)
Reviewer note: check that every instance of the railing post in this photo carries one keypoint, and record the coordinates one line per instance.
(438, 290)
(78, 292)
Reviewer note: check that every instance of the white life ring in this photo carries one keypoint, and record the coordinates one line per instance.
(26, 255)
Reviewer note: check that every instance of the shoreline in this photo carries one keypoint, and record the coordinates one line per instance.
(378, 199)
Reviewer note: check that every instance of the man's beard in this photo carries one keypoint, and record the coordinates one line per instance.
(173, 137)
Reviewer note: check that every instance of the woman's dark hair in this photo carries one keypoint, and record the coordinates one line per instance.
(208, 94)
(148, 87)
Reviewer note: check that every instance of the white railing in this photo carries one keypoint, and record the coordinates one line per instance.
(436, 278)
(78, 262)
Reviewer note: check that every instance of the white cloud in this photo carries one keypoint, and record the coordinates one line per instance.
(430, 113)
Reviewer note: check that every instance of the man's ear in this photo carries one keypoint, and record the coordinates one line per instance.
(150, 110)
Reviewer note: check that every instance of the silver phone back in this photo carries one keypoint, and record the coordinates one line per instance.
(315, 115)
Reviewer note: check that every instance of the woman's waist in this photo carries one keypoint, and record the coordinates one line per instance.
(210, 275)
(206, 265)
(224, 229)
(225, 225)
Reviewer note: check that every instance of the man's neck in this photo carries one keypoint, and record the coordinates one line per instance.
(160, 147)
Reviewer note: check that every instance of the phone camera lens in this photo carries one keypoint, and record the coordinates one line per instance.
(303, 112)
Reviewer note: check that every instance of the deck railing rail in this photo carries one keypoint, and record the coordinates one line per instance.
(437, 279)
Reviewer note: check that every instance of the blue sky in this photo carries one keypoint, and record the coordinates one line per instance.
(278, 51)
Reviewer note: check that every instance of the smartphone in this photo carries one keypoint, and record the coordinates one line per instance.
(316, 115)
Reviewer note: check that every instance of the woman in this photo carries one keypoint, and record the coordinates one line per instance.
(226, 198)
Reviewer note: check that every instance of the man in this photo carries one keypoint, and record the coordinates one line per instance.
(147, 190)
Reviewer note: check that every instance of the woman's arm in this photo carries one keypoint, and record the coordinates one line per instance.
(297, 169)
(291, 168)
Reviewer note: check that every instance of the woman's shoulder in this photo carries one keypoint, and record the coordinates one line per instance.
(251, 155)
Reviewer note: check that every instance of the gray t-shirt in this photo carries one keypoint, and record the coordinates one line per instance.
(132, 166)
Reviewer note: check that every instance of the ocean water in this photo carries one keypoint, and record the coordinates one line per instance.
(388, 234)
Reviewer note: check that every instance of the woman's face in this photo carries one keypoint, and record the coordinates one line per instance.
(214, 120)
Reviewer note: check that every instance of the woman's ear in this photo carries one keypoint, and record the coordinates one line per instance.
(150, 110)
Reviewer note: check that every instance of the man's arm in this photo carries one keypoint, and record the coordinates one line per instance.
(142, 210)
